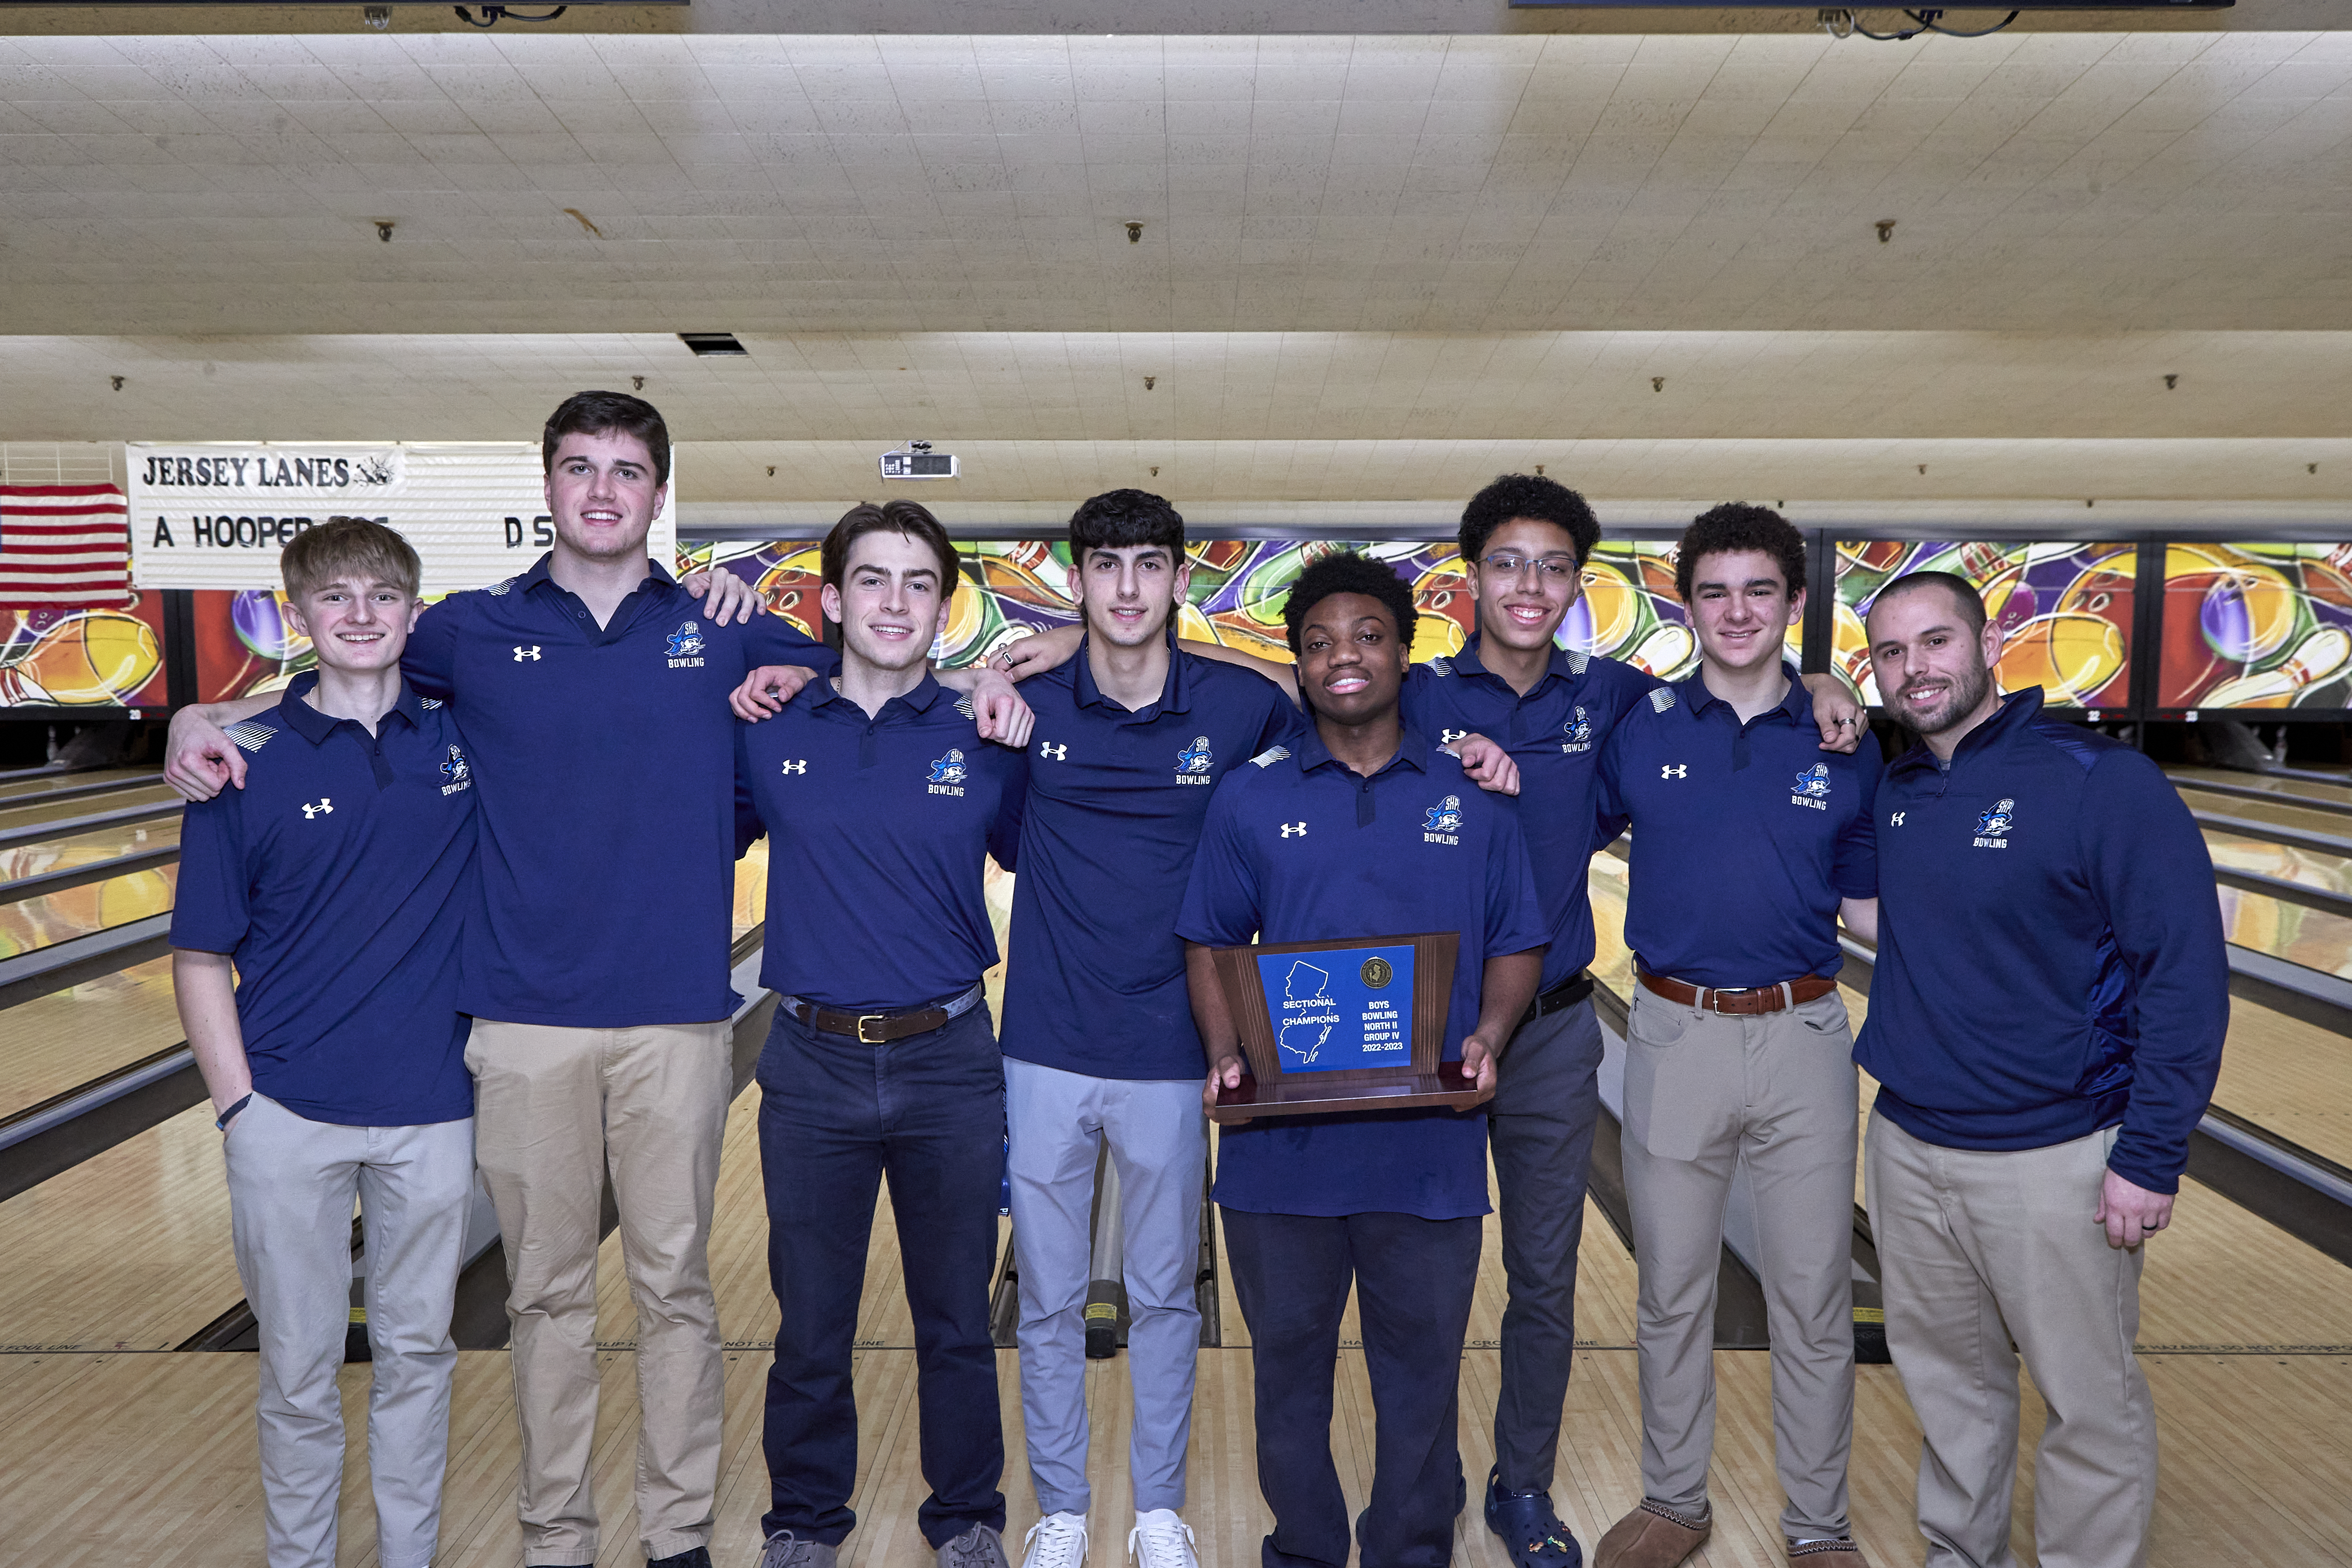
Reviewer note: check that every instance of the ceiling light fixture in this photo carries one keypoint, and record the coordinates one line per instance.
(1838, 22)
(492, 14)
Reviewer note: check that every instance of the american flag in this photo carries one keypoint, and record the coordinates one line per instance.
(63, 544)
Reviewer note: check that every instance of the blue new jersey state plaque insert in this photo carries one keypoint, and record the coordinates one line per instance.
(1347, 1007)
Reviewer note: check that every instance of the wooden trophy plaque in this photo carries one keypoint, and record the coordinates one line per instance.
(1342, 1026)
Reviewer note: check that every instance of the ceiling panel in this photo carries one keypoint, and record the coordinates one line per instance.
(774, 184)
(881, 388)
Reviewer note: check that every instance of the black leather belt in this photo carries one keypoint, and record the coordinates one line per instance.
(880, 1028)
(1566, 994)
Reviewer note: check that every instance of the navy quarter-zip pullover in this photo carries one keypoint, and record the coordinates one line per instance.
(2049, 957)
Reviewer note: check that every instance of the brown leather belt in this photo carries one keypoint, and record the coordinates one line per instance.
(879, 1028)
(1746, 999)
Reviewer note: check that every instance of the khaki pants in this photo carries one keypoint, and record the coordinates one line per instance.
(1703, 1091)
(553, 1107)
(1977, 1249)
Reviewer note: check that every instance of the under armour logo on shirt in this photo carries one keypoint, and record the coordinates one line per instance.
(524, 653)
(1052, 752)
(325, 807)
(1896, 820)
(1673, 769)
(1447, 737)
(796, 766)
(1294, 830)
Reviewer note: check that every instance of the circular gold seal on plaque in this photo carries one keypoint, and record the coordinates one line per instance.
(1377, 973)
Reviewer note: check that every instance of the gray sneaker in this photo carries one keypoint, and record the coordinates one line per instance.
(785, 1550)
(979, 1547)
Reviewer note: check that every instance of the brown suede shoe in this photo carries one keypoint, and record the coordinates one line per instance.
(1653, 1536)
(1839, 1552)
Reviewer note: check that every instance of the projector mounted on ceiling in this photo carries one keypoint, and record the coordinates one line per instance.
(916, 460)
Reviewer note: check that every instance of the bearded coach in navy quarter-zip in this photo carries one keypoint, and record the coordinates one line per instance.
(2045, 1024)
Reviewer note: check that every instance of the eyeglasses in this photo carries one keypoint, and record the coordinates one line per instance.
(1552, 571)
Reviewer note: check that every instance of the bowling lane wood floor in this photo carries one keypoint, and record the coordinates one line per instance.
(26, 811)
(2248, 1336)
(2282, 812)
(111, 1454)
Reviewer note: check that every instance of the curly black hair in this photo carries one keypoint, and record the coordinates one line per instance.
(1531, 496)
(1734, 528)
(1118, 519)
(1345, 572)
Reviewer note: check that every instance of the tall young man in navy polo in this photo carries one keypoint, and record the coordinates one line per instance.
(594, 690)
(2046, 1019)
(878, 786)
(1523, 540)
(336, 885)
(1100, 1048)
(1366, 828)
(1747, 841)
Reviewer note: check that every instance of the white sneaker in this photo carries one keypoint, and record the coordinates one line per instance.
(1057, 1541)
(1161, 1538)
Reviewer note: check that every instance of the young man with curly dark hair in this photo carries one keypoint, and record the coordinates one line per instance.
(1367, 827)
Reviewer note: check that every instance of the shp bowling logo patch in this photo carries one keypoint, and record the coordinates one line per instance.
(686, 646)
(1444, 822)
(947, 773)
(1193, 763)
(1992, 827)
(1576, 735)
(457, 771)
(1812, 788)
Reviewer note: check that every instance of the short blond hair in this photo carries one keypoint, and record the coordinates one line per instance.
(349, 549)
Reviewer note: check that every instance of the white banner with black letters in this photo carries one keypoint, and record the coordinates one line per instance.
(216, 514)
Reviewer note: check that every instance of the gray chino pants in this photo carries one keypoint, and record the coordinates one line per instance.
(1159, 1140)
(290, 1182)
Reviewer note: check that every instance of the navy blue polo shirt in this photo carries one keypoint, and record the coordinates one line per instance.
(339, 879)
(608, 794)
(877, 829)
(1555, 733)
(2050, 950)
(1096, 981)
(1745, 835)
(1300, 848)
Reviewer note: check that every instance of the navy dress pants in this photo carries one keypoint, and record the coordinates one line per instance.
(1413, 1281)
(835, 1117)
